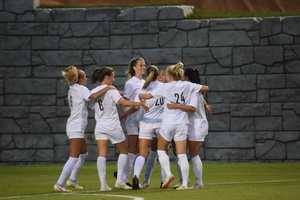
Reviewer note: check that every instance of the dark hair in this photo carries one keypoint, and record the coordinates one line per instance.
(193, 75)
(152, 73)
(130, 73)
(100, 73)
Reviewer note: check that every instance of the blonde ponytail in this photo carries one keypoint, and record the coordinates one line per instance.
(71, 75)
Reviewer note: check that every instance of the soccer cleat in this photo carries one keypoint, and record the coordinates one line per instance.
(74, 184)
(116, 174)
(184, 187)
(60, 188)
(122, 186)
(144, 184)
(135, 183)
(128, 184)
(105, 188)
(178, 184)
(198, 186)
(168, 180)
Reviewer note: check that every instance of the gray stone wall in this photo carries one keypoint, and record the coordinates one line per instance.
(252, 66)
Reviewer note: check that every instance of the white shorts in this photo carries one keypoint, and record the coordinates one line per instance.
(196, 138)
(116, 137)
(72, 135)
(148, 131)
(132, 130)
(198, 131)
(177, 132)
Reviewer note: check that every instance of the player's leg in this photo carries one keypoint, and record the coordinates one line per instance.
(101, 162)
(140, 161)
(73, 177)
(122, 163)
(194, 149)
(75, 147)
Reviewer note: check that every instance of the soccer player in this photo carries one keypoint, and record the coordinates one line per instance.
(108, 125)
(150, 122)
(136, 69)
(152, 157)
(198, 126)
(78, 96)
(175, 121)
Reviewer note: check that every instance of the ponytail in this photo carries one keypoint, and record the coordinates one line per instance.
(152, 74)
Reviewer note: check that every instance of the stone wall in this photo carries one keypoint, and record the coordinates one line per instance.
(252, 66)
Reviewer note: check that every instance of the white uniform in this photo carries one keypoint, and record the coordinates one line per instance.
(198, 126)
(131, 89)
(180, 93)
(78, 96)
(108, 125)
(150, 122)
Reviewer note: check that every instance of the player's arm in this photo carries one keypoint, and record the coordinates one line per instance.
(207, 108)
(204, 88)
(129, 112)
(185, 108)
(123, 102)
(101, 92)
(145, 96)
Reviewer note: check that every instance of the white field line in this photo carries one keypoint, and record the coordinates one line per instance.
(74, 193)
(133, 197)
(273, 181)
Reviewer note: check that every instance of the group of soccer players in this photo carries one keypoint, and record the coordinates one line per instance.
(166, 107)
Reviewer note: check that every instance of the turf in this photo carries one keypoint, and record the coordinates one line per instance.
(222, 181)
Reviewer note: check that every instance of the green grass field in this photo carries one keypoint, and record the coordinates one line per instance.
(245, 181)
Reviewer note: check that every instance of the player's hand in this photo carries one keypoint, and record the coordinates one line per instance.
(208, 110)
(146, 108)
(172, 105)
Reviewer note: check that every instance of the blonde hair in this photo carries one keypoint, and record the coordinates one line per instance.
(152, 73)
(176, 71)
(71, 74)
(130, 73)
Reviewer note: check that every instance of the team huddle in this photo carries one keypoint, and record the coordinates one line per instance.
(167, 107)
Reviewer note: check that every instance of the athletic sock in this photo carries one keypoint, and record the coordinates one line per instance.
(129, 166)
(138, 165)
(178, 168)
(101, 166)
(150, 164)
(162, 174)
(78, 166)
(164, 161)
(184, 166)
(198, 167)
(122, 163)
(68, 167)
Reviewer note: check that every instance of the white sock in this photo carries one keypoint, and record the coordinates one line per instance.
(78, 166)
(162, 174)
(101, 166)
(122, 163)
(198, 167)
(164, 161)
(184, 166)
(150, 164)
(178, 167)
(68, 167)
(129, 166)
(138, 165)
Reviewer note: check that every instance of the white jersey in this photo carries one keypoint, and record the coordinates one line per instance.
(106, 113)
(198, 122)
(131, 89)
(178, 92)
(154, 115)
(78, 96)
